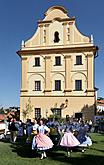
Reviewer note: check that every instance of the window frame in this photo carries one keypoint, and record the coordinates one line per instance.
(37, 112)
(37, 85)
(57, 112)
(79, 60)
(37, 62)
(57, 85)
(78, 85)
(57, 60)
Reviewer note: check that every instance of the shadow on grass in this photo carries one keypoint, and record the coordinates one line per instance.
(94, 141)
(5, 140)
(23, 149)
(83, 160)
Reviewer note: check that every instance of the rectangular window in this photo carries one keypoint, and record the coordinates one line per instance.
(37, 112)
(37, 85)
(37, 61)
(57, 85)
(78, 60)
(78, 85)
(57, 60)
(57, 112)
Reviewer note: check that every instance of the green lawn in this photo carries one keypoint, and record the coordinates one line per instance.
(21, 154)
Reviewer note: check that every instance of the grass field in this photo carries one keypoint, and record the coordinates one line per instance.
(21, 154)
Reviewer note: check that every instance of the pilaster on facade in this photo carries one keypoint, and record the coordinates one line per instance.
(67, 74)
(24, 88)
(71, 24)
(48, 86)
(64, 33)
(41, 34)
(44, 34)
(90, 74)
(47, 34)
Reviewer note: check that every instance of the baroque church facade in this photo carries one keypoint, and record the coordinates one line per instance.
(58, 68)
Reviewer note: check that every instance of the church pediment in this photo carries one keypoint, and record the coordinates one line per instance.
(57, 29)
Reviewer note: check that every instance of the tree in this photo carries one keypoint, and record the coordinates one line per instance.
(29, 109)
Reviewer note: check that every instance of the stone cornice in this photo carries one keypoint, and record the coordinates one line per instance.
(55, 96)
(53, 50)
(43, 22)
(57, 19)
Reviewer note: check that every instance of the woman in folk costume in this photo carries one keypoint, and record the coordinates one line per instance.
(83, 137)
(69, 140)
(42, 142)
(35, 127)
(34, 132)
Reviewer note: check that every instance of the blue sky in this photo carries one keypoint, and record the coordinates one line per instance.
(18, 21)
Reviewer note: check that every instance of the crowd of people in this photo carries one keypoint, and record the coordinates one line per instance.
(43, 134)
(99, 125)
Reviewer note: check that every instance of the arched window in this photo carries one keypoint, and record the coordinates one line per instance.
(56, 37)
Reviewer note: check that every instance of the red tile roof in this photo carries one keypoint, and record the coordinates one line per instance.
(100, 101)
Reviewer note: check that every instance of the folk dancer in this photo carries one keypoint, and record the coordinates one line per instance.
(83, 137)
(69, 140)
(41, 141)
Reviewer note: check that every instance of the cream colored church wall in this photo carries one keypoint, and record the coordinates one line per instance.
(78, 72)
(60, 68)
(82, 67)
(31, 64)
(79, 76)
(75, 104)
(31, 84)
(58, 76)
(34, 40)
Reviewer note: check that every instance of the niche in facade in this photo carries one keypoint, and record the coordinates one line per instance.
(56, 37)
